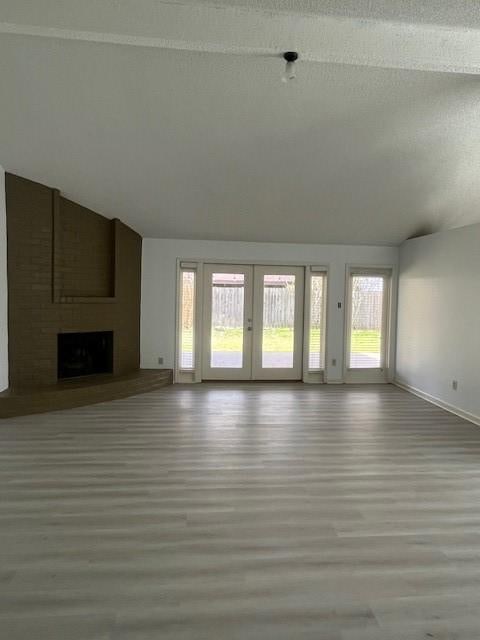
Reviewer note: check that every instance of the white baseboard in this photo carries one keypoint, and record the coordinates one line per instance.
(471, 417)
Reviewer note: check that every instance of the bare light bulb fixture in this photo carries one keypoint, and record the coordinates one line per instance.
(290, 58)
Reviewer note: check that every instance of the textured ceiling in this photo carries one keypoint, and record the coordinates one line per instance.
(442, 12)
(213, 146)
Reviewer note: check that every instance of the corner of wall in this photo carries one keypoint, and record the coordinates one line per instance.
(3, 286)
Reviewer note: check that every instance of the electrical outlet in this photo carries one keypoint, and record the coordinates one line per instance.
(334, 362)
(454, 385)
(160, 360)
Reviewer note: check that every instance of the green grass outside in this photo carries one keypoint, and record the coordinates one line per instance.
(365, 341)
(281, 340)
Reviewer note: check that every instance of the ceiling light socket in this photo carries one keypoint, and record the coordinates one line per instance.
(290, 58)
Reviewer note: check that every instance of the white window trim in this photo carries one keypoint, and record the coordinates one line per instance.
(383, 374)
(314, 375)
(189, 375)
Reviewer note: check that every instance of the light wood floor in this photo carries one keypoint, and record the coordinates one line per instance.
(241, 511)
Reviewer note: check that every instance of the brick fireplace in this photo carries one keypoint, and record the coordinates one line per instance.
(73, 286)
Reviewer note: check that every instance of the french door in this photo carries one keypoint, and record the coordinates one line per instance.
(253, 322)
(228, 322)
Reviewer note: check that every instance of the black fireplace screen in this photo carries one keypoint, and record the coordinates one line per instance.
(83, 354)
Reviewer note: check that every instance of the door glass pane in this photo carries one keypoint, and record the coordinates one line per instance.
(366, 322)
(187, 341)
(316, 354)
(278, 321)
(228, 299)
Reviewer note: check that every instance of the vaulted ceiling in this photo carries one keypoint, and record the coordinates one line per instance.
(172, 116)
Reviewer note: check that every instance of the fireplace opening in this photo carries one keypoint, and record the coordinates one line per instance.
(84, 354)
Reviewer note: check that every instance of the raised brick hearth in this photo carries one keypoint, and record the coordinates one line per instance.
(76, 392)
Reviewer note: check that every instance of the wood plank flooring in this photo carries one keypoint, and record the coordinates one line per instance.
(241, 512)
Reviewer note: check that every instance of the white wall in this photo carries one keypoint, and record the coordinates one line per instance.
(438, 337)
(159, 285)
(3, 287)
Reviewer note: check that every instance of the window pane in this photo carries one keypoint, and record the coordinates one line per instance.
(316, 356)
(228, 299)
(278, 321)
(366, 322)
(187, 350)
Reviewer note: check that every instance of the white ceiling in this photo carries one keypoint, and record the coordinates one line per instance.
(442, 12)
(194, 144)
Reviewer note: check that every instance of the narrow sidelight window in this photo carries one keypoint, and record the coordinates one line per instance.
(187, 320)
(316, 338)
